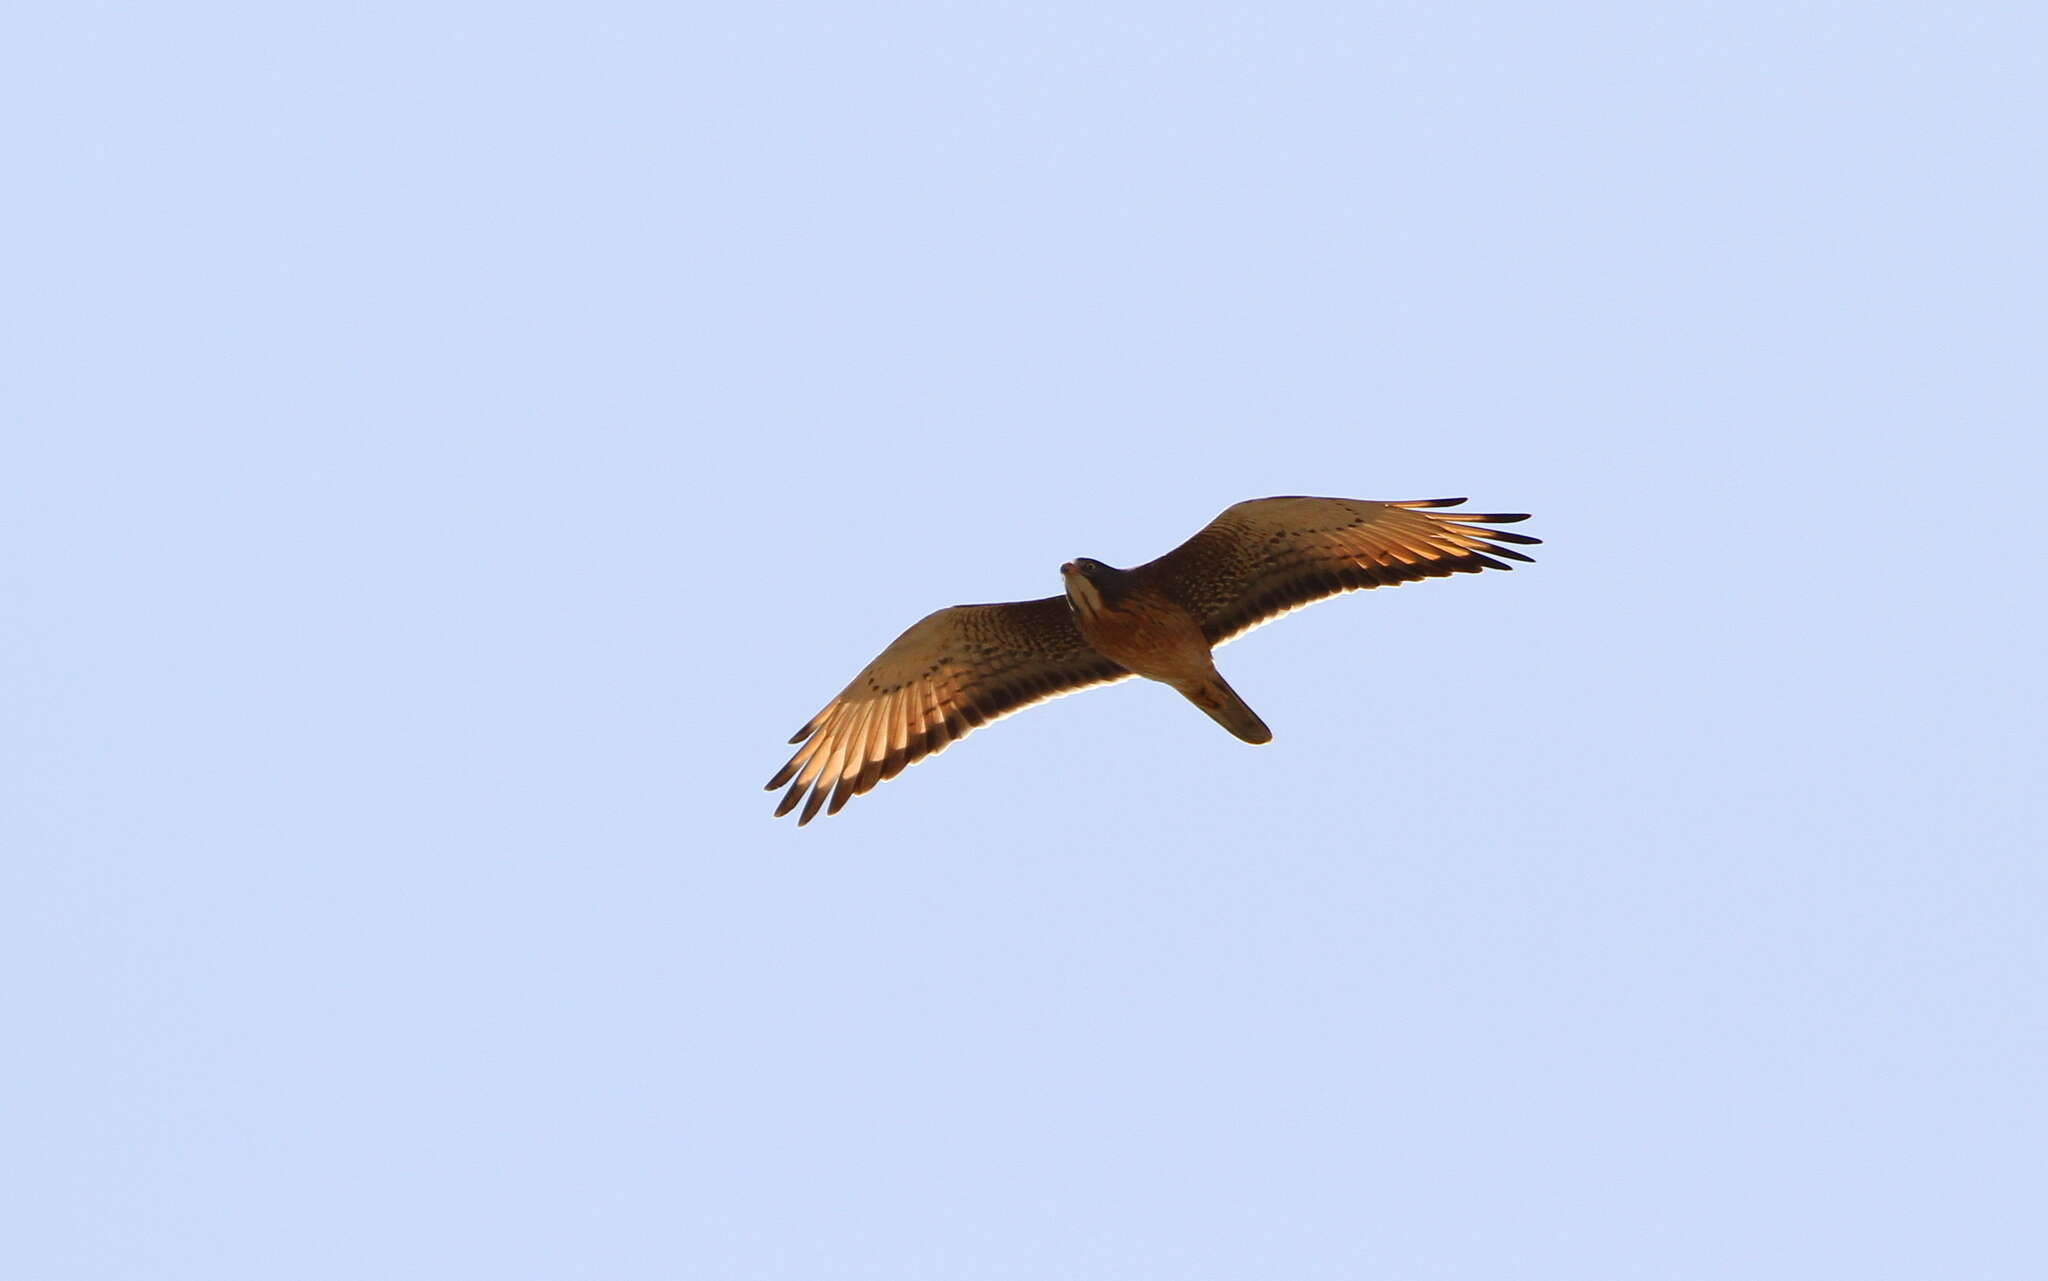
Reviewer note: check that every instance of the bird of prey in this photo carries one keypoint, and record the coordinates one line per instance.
(968, 665)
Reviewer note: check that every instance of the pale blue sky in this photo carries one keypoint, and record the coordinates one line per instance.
(450, 447)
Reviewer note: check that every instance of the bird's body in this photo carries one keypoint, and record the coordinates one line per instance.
(1139, 627)
(961, 667)
(1130, 620)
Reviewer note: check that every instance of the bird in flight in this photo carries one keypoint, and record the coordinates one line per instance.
(963, 667)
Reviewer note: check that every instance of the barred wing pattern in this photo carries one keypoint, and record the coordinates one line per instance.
(1269, 556)
(950, 673)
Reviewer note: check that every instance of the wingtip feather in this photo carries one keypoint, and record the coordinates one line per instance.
(789, 800)
(811, 806)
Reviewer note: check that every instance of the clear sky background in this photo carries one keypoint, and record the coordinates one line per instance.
(448, 449)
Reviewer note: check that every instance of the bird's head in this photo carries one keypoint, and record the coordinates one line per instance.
(1090, 584)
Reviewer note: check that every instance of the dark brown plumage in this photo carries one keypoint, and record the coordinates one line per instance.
(962, 667)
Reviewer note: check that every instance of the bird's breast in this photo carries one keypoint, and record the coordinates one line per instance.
(1148, 634)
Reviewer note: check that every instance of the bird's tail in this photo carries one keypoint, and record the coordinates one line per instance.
(1213, 695)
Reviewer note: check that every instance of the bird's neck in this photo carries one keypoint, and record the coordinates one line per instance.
(1084, 596)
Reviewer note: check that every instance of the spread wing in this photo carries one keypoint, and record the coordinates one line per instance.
(950, 673)
(1262, 558)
